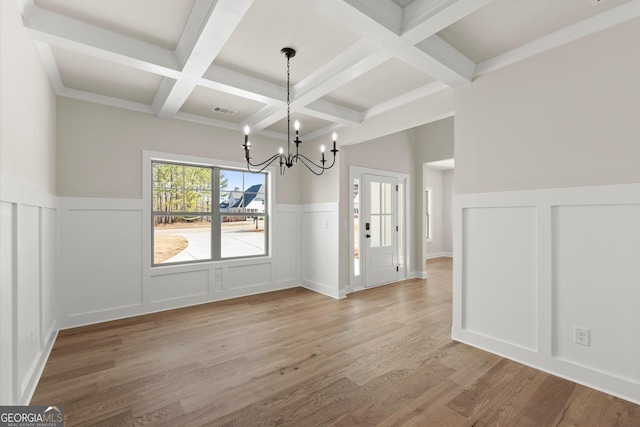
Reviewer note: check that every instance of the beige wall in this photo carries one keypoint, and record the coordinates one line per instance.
(27, 107)
(567, 117)
(100, 149)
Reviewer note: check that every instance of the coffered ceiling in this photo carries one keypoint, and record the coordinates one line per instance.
(218, 62)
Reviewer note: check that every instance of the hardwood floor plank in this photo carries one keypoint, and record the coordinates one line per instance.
(383, 357)
(549, 401)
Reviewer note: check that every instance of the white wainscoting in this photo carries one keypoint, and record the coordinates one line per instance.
(530, 266)
(28, 287)
(320, 258)
(106, 273)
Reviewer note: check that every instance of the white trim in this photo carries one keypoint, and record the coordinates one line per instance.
(439, 255)
(593, 373)
(357, 172)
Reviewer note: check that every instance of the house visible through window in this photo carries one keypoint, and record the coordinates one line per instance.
(207, 213)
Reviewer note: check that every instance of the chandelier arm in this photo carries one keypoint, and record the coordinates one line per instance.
(264, 164)
(305, 161)
(302, 156)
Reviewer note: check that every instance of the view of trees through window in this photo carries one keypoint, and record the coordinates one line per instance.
(203, 213)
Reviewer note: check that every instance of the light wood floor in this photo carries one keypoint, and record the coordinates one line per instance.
(297, 358)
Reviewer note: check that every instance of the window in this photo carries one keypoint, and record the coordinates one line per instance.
(205, 213)
(427, 222)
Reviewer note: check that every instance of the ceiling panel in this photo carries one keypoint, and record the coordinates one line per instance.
(89, 74)
(340, 45)
(308, 124)
(503, 25)
(254, 48)
(391, 79)
(203, 100)
(159, 22)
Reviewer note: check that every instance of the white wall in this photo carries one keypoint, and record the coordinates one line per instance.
(28, 212)
(562, 250)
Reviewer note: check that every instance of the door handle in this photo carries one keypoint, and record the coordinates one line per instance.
(367, 235)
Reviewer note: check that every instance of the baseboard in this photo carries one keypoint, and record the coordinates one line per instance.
(418, 275)
(321, 289)
(26, 397)
(439, 255)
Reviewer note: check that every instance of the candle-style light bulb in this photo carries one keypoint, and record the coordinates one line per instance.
(280, 150)
(335, 136)
(296, 125)
(246, 129)
(322, 148)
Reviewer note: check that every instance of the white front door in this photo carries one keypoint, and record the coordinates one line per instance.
(380, 230)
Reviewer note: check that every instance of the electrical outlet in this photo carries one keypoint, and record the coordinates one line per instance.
(582, 336)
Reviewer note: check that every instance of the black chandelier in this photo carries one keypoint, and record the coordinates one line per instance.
(287, 160)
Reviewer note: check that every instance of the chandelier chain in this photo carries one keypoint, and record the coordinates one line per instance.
(289, 159)
(288, 110)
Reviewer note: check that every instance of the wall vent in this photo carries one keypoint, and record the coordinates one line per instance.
(223, 110)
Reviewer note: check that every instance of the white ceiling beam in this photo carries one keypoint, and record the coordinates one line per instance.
(207, 121)
(568, 34)
(50, 66)
(266, 116)
(57, 30)
(369, 27)
(334, 127)
(435, 47)
(332, 112)
(404, 99)
(385, 13)
(358, 59)
(234, 83)
(105, 100)
(363, 56)
(423, 18)
(209, 26)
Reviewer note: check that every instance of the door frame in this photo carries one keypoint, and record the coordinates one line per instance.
(356, 283)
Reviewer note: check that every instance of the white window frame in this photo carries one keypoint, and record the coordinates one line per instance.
(428, 214)
(148, 157)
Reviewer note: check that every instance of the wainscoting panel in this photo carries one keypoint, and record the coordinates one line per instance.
(598, 288)
(320, 248)
(28, 295)
(247, 276)
(179, 285)
(49, 270)
(530, 266)
(104, 260)
(28, 287)
(8, 390)
(499, 253)
(106, 271)
(286, 226)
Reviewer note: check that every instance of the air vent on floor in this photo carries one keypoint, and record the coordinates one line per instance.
(223, 110)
